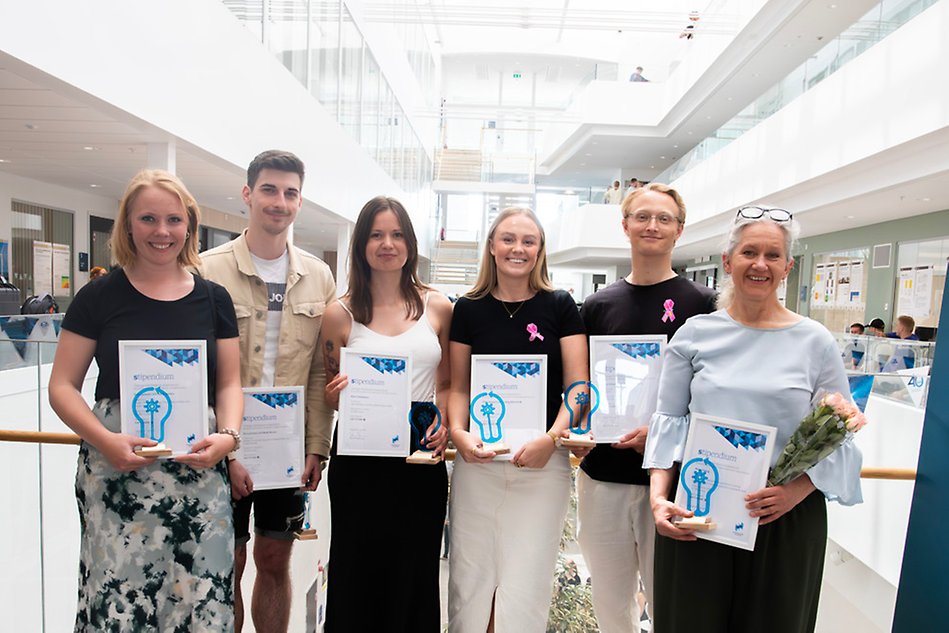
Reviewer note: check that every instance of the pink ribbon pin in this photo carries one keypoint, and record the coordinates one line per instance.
(532, 330)
(669, 314)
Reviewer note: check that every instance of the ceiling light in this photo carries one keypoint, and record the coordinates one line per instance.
(230, 197)
(588, 154)
(690, 133)
(924, 199)
(850, 217)
(89, 148)
(93, 186)
(652, 167)
(569, 192)
(675, 146)
(31, 126)
(4, 160)
(662, 157)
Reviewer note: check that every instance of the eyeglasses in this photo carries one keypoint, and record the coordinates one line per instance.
(663, 219)
(756, 213)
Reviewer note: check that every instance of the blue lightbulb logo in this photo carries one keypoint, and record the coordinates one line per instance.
(151, 408)
(488, 415)
(421, 416)
(580, 402)
(699, 479)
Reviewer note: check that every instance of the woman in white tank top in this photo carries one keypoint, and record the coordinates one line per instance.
(387, 515)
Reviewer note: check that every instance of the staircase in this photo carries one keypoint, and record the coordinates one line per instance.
(455, 262)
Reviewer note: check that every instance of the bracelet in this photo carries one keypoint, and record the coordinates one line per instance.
(556, 438)
(233, 433)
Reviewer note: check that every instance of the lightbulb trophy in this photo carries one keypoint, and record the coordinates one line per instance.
(421, 416)
(699, 479)
(488, 416)
(306, 533)
(150, 408)
(580, 435)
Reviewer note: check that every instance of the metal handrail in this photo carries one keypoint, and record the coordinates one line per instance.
(45, 437)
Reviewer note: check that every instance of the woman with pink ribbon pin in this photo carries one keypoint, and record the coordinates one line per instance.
(507, 515)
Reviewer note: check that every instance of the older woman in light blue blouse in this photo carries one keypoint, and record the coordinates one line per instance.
(752, 360)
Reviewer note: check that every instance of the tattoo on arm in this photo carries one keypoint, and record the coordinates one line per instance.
(331, 363)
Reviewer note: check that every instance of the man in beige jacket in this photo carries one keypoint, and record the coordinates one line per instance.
(279, 293)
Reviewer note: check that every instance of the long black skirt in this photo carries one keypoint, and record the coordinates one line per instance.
(387, 518)
(714, 588)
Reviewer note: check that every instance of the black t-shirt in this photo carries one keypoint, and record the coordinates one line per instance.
(486, 326)
(110, 309)
(622, 308)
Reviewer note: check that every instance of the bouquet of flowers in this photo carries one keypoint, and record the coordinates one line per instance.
(833, 420)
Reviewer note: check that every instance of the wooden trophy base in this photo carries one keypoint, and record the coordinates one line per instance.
(159, 450)
(305, 535)
(424, 457)
(578, 441)
(499, 448)
(696, 524)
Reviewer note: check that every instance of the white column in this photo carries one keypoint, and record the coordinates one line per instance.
(343, 236)
(162, 156)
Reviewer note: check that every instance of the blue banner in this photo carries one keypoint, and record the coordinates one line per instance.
(924, 582)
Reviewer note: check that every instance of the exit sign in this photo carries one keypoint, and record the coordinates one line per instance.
(517, 75)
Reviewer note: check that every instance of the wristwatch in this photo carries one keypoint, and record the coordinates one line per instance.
(556, 438)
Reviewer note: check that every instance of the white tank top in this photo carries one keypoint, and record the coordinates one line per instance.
(419, 341)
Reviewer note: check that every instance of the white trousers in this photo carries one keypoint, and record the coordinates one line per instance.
(506, 524)
(617, 537)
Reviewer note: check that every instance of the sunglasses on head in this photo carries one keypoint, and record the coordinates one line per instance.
(756, 213)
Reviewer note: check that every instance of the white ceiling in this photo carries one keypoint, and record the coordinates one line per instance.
(54, 133)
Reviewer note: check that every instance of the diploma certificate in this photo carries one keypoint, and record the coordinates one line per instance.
(272, 436)
(517, 382)
(163, 387)
(374, 406)
(625, 370)
(723, 461)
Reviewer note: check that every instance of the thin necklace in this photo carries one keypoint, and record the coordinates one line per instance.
(510, 314)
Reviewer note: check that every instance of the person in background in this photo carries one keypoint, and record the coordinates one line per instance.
(756, 361)
(637, 75)
(97, 271)
(616, 529)
(614, 195)
(387, 582)
(856, 328)
(280, 293)
(876, 327)
(905, 328)
(507, 515)
(156, 545)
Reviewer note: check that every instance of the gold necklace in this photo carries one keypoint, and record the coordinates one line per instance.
(510, 314)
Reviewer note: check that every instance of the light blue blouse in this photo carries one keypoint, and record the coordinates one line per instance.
(717, 366)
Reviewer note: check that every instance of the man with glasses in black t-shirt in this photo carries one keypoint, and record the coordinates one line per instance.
(616, 527)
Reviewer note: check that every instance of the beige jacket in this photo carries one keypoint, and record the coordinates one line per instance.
(310, 288)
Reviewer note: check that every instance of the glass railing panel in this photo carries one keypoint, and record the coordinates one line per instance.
(875, 25)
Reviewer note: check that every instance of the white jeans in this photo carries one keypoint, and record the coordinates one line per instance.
(617, 537)
(506, 524)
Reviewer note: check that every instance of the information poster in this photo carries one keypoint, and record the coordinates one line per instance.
(923, 292)
(817, 292)
(163, 387)
(830, 284)
(905, 298)
(62, 270)
(374, 406)
(42, 268)
(856, 284)
(272, 436)
(724, 460)
(842, 299)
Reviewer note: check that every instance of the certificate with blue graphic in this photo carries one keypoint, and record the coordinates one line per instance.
(625, 371)
(723, 461)
(272, 436)
(508, 399)
(374, 406)
(163, 386)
